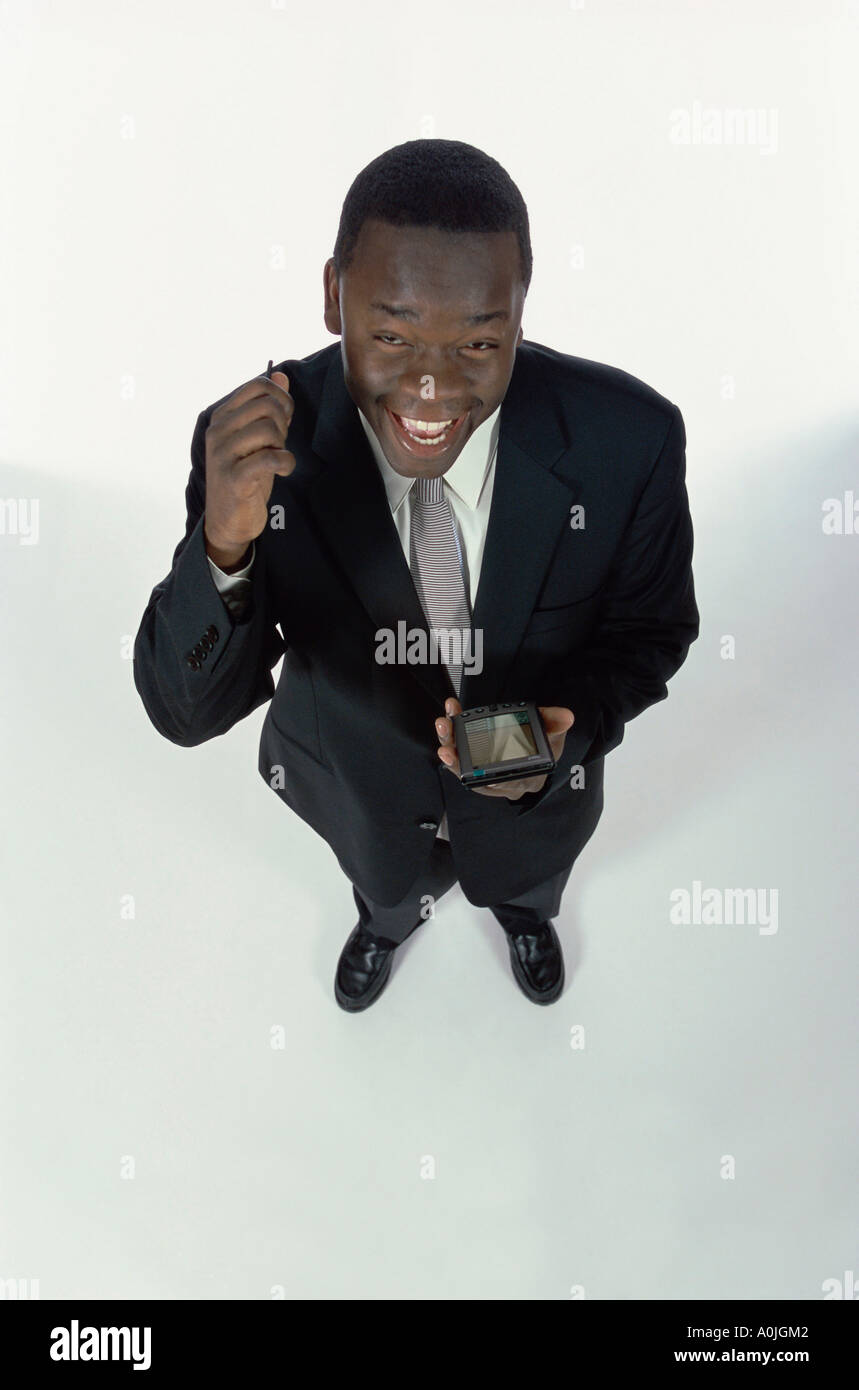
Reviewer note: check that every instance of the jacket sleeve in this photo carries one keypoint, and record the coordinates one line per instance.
(647, 621)
(198, 667)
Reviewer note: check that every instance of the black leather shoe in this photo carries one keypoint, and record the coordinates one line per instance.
(537, 961)
(363, 969)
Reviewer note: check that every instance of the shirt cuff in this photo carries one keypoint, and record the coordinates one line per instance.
(224, 580)
(236, 588)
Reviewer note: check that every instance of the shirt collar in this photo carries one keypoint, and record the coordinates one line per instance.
(466, 476)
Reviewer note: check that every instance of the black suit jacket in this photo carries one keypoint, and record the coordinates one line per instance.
(595, 618)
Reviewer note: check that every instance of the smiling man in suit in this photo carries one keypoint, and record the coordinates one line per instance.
(442, 474)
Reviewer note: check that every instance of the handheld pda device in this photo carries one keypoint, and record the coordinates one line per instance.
(498, 743)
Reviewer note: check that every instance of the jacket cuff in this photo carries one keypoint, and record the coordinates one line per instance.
(202, 628)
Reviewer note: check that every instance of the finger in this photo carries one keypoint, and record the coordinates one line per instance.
(557, 719)
(444, 729)
(258, 467)
(257, 386)
(444, 724)
(281, 381)
(447, 746)
(263, 433)
(273, 403)
(448, 756)
(557, 722)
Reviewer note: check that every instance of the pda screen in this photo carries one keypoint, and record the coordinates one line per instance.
(500, 738)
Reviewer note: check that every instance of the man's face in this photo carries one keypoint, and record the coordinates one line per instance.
(430, 322)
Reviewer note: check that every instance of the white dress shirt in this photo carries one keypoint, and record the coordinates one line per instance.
(468, 485)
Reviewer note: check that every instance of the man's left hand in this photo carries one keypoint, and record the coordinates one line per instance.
(557, 721)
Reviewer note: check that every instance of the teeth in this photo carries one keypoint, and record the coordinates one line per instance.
(424, 426)
(422, 439)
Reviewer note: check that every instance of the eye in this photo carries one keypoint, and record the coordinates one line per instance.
(391, 340)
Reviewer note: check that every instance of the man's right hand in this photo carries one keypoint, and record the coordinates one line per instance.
(244, 451)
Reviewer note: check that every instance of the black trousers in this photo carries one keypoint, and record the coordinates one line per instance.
(396, 923)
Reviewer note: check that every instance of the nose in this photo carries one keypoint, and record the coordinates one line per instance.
(434, 392)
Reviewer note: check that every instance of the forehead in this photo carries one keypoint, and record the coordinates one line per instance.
(425, 266)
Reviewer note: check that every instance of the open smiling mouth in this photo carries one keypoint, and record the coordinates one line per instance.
(426, 437)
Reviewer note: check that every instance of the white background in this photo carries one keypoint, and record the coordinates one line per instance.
(172, 176)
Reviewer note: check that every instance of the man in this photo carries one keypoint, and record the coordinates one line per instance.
(442, 475)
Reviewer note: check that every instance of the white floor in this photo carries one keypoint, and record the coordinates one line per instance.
(449, 1143)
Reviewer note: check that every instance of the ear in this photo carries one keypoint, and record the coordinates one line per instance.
(331, 291)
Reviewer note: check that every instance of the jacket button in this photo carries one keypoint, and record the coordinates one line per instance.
(429, 825)
(212, 632)
(193, 663)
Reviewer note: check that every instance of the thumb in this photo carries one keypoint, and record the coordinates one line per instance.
(557, 718)
(281, 378)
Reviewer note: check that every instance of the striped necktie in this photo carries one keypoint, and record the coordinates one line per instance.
(436, 565)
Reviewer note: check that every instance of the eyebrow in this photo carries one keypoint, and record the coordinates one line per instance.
(400, 311)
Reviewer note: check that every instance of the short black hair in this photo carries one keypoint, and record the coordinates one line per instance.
(434, 183)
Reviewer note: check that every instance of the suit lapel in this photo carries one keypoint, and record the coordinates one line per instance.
(530, 506)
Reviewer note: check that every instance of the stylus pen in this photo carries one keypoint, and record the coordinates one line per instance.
(269, 367)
